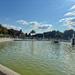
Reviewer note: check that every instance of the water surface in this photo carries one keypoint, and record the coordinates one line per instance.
(38, 57)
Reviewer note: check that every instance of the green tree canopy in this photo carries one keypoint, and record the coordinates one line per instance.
(33, 31)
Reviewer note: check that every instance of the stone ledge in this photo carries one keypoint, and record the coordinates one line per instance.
(6, 71)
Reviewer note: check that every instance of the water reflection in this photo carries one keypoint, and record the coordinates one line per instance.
(55, 52)
(32, 46)
(38, 57)
(2, 45)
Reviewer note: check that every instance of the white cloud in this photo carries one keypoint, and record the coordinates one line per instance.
(26, 23)
(70, 13)
(73, 7)
(62, 20)
(11, 27)
(22, 22)
(45, 26)
(69, 22)
(35, 24)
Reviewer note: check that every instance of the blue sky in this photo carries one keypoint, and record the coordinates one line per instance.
(39, 15)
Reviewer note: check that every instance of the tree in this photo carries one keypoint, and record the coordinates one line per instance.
(1, 28)
(68, 33)
(26, 34)
(32, 31)
(29, 35)
(4, 30)
(21, 34)
(58, 34)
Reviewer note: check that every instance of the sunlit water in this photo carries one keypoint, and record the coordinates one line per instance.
(38, 57)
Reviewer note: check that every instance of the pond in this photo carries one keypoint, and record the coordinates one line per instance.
(38, 57)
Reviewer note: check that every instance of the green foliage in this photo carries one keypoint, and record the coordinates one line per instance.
(2, 35)
(4, 32)
(67, 34)
(33, 31)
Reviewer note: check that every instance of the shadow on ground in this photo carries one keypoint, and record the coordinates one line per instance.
(2, 73)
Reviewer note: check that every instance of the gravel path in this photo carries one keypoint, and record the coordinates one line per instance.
(5, 39)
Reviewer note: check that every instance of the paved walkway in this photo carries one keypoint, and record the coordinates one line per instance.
(5, 39)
